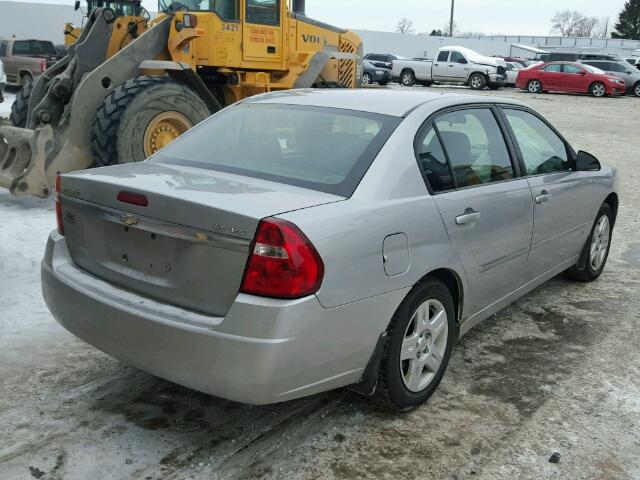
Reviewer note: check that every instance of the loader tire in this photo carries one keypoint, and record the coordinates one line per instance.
(20, 107)
(121, 130)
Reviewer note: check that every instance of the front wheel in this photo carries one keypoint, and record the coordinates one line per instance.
(366, 79)
(534, 86)
(20, 107)
(477, 81)
(596, 250)
(407, 79)
(636, 89)
(417, 347)
(598, 89)
(141, 116)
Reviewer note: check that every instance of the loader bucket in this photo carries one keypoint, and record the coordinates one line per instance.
(63, 106)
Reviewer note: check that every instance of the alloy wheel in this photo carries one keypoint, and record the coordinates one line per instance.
(534, 86)
(476, 82)
(424, 345)
(598, 90)
(407, 79)
(366, 79)
(599, 243)
(636, 90)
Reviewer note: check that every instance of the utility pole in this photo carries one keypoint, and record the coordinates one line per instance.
(451, 19)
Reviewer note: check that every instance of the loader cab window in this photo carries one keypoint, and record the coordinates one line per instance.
(264, 12)
(225, 9)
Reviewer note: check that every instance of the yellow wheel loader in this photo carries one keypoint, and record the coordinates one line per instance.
(130, 84)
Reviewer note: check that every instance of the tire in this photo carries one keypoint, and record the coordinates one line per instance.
(494, 87)
(366, 79)
(383, 84)
(20, 107)
(120, 128)
(407, 78)
(477, 81)
(534, 86)
(597, 89)
(397, 388)
(596, 249)
(636, 89)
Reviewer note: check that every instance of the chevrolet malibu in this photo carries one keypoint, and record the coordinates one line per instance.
(303, 241)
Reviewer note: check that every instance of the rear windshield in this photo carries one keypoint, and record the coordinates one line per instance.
(324, 149)
(33, 47)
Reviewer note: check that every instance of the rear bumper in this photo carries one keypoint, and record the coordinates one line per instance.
(263, 351)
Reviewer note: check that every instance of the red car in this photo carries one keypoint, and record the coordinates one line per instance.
(569, 77)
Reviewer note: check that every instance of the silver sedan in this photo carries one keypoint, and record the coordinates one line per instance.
(302, 241)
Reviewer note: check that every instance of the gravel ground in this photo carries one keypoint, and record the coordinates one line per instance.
(555, 372)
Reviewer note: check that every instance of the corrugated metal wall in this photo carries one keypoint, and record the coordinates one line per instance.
(425, 46)
(36, 20)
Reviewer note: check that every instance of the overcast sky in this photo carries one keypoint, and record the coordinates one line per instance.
(511, 17)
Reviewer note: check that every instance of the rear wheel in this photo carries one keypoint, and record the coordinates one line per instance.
(141, 116)
(417, 347)
(20, 106)
(407, 78)
(477, 81)
(534, 86)
(598, 89)
(596, 250)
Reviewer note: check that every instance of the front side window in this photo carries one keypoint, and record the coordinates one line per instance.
(264, 12)
(324, 149)
(33, 47)
(542, 150)
(555, 67)
(443, 56)
(568, 68)
(457, 58)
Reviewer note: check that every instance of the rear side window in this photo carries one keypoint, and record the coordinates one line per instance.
(473, 147)
(265, 12)
(556, 67)
(542, 150)
(443, 56)
(33, 47)
(324, 149)
(433, 162)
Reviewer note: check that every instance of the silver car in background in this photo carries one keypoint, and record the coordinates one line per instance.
(621, 69)
(307, 240)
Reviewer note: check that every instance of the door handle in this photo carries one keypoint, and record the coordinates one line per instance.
(436, 65)
(451, 66)
(469, 217)
(543, 198)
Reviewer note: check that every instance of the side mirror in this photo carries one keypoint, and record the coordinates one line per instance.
(585, 162)
(76, 6)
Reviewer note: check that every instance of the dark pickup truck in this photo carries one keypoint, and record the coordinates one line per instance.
(26, 59)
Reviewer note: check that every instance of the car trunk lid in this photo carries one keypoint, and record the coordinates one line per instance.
(189, 245)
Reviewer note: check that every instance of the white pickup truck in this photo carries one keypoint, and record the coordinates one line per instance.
(452, 65)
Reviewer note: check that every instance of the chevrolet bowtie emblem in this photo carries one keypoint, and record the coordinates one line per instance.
(128, 219)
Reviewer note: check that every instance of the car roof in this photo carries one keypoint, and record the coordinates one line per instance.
(383, 101)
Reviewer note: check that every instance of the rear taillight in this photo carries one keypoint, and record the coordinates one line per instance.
(282, 263)
(43, 64)
(59, 206)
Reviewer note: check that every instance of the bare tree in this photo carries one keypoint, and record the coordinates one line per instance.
(587, 27)
(603, 29)
(405, 26)
(566, 22)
